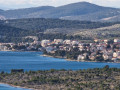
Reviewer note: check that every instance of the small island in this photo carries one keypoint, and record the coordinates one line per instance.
(105, 78)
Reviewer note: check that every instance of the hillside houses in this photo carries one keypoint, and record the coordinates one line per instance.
(100, 50)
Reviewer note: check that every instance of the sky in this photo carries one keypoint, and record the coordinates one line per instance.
(15, 4)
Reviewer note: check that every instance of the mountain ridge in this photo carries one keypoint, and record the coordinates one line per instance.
(74, 11)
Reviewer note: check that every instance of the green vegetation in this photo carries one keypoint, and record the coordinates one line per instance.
(42, 24)
(97, 79)
(72, 54)
(103, 32)
(15, 30)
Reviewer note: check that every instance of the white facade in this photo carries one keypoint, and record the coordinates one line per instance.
(75, 42)
(44, 43)
(115, 54)
(58, 41)
(105, 40)
(3, 48)
(116, 40)
(67, 41)
(81, 57)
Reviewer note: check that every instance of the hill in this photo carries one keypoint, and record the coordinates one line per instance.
(42, 24)
(75, 11)
(16, 29)
(109, 15)
(103, 32)
(20, 13)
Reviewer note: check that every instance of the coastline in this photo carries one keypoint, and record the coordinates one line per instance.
(17, 86)
(18, 51)
(52, 57)
(44, 55)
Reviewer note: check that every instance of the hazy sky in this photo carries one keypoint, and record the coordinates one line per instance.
(14, 4)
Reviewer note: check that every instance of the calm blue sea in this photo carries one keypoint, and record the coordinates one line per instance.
(34, 61)
(7, 87)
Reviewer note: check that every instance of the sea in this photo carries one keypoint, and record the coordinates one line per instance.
(7, 87)
(35, 61)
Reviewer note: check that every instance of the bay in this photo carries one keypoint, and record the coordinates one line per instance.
(35, 61)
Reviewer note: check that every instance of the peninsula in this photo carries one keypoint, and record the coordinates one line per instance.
(102, 78)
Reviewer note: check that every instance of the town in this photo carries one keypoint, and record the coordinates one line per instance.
(98, 51)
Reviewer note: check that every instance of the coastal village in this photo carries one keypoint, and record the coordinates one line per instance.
(99, 50)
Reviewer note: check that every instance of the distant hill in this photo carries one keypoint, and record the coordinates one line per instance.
(105, 15)
(75, 11)
(21, 13)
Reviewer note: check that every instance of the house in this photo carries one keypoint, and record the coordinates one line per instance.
(74, 42)
(114, 59)
(116, 40)
(67, 41)
(3, 48)
(115, 54)
(105, 40)
(58, 41)
(49, 49)
(91, 57)
(107, 57)
(81, 58)
(96, 40)
(44, 43)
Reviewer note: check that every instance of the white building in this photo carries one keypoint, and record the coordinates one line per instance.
(105, 40)
(44, 43)
(3, 48)
(107, 57)
(116, 40)
(75, 42)
(58, 41)
(67, 42)
(81, 58)
(115, 54)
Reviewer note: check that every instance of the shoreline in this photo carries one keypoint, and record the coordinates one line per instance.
(44, 55)
(18, 51)
(17, 86)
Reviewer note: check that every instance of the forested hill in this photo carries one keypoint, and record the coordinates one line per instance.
(10, 31)
(16, 29)
(13, 34)
(41, 24)
(75, 11)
